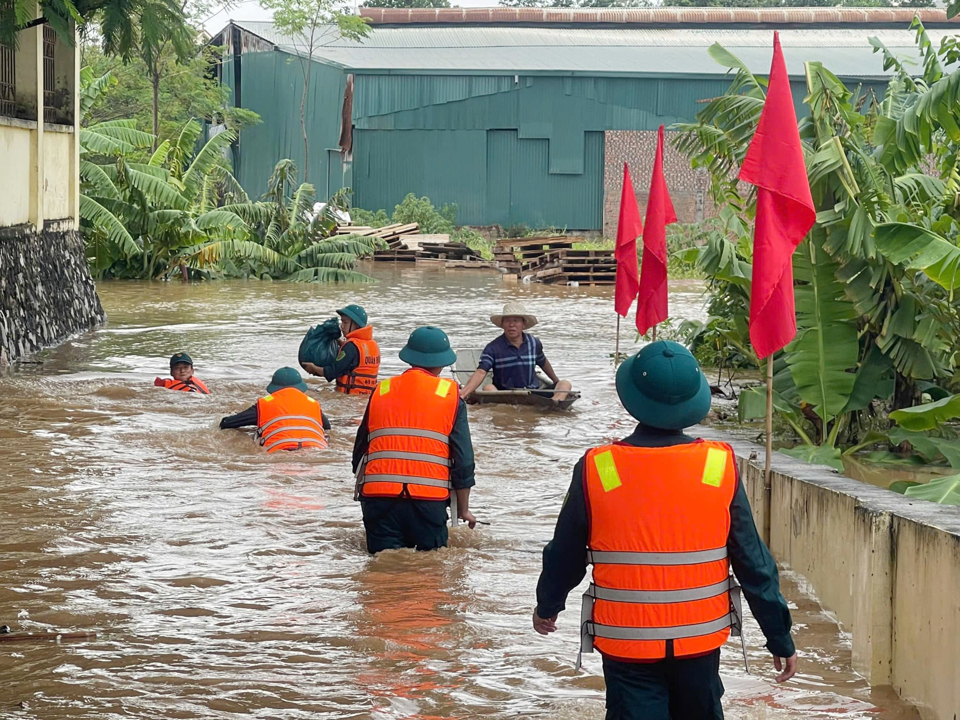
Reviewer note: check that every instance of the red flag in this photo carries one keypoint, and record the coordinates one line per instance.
(652, 299)
(628, 230)
(785, 212)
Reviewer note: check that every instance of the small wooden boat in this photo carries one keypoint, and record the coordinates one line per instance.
(466, 365)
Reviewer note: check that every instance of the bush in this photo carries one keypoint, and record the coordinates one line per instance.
(421, 211)
(359, 216)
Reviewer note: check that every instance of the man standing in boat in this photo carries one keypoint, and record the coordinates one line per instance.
(413, 453)
(662, 517)
(514, 357)
(358, 363)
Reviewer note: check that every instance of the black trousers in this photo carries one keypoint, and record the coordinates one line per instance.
(393, 523)
(672, 689)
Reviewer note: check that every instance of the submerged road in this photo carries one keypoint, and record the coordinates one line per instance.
(224, 582)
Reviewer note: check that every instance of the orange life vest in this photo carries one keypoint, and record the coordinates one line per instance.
(363, 378)
(289, 420)
(409, 420)
(193, 384)
(658, 525)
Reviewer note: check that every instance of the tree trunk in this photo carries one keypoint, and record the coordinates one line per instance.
(155, 81)
(183, 272)
(905, 393)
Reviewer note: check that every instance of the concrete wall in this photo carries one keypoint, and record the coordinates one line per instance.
(886, 565)
(58, 173)
(46, 292)
(17, 186)
(40, 178)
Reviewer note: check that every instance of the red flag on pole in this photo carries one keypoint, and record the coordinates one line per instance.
(628, 230)
(652, 298)
(785, 212)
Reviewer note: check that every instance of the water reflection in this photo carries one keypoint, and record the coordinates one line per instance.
(225, 581)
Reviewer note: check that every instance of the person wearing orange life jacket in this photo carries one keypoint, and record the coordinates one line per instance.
(358, 364)
(413, 454)
(662, 517)
(181, 376)
(287, 418)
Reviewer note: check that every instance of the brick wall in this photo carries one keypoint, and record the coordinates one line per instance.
(688, 187)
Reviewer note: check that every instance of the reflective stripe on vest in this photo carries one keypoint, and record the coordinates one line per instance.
(674, 558)
(673, 585)
(658, 597)
(313, 421)
(401, 455)
(409, 432)
(301, 443)
(407, 480)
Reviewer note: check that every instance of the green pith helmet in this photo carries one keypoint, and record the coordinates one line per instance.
(286, 377)
(428, 347)
(663, 387)
(355, 313)
(180, 357)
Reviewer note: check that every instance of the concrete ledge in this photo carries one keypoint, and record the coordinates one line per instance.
(888, 566)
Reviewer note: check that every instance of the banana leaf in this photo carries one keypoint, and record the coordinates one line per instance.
(932, 449)
(826, 347)
(921, 249)
(945, 490)
(929, 416)
(874, 380)
(901, 486)
(817, 455)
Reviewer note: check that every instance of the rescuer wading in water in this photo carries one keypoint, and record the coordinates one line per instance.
(413, 452)
(358, 364)
(662, 517)
(287, 418)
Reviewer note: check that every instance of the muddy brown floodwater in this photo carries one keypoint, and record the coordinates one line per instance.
(224, 582)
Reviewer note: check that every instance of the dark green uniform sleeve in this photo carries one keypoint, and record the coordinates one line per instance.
(756, 572)
(360, 443)
(565, 557)
(462, 464)
(347, 360)
(242, 419)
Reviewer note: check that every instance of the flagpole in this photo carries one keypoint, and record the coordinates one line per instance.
(654, 333)
(769, 447)
(616, 352)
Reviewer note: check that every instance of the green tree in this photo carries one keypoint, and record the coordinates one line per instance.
(186, 92)
(310, 25)
(120, 23)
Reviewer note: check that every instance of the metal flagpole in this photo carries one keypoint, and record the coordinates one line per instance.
(769, 448)
(654, 333)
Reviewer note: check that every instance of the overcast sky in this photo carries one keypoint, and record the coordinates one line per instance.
(251, 10)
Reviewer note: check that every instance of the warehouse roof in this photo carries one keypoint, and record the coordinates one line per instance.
(588, 49)
(793, 16)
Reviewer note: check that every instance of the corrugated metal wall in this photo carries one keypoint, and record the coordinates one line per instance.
(271, 85)
(504, 149)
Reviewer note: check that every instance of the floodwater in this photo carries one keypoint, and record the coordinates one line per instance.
(224, 582)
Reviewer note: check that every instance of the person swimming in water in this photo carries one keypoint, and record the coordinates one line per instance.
(182, 377)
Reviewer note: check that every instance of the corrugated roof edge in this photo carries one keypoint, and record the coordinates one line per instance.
(687, 16)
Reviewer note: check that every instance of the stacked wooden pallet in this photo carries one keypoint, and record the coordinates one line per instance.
(519, 255)
(393, 234)
(585, 267)
(450, 255)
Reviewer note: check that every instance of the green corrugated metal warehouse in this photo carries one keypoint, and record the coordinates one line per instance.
(506, 112)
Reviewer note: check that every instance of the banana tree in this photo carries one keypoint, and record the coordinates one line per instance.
(876, 276)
